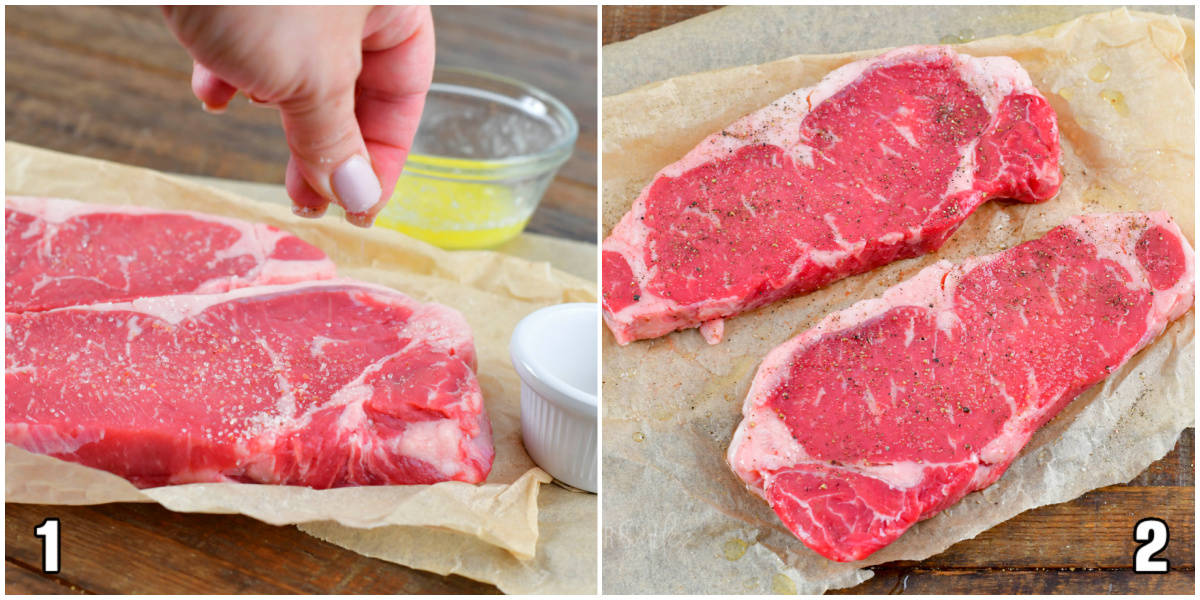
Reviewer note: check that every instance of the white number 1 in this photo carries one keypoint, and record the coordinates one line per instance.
(48, 531)
(1154, 537)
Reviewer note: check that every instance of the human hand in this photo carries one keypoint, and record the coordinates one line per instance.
(349, 82)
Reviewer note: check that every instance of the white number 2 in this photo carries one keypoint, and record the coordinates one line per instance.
(48, 531)
(1154, 537)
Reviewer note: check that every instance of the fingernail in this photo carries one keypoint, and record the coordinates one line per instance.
(356, 186)
(308, 212)
(360, 219)
(212, 109)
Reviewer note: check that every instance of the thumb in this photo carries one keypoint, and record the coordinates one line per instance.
(329, 155)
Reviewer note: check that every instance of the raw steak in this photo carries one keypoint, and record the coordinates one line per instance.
(892, 410)
(62, 253)
(321, 384)
(881, 160)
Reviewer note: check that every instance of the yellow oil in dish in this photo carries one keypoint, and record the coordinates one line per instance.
(455, 213)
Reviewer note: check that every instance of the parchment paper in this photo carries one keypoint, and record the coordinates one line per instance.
(503, 531)
(677, 520)
(748, 35)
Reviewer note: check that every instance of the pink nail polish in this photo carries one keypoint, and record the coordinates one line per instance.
(356, 185)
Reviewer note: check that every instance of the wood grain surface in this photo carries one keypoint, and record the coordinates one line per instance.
(620, 23)
(146, 549)
(1080, 547)
(112, 83)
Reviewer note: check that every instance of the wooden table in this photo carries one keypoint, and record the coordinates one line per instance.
(111, 83)
(620, 23)
(1081, 547)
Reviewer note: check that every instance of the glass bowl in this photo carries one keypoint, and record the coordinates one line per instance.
(486, 149)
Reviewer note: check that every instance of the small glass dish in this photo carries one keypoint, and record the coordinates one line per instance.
(484, 153)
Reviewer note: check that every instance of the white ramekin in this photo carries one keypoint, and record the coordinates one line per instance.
(554, 352)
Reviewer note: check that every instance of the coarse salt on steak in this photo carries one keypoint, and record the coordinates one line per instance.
(62, 253)
(893, 409)
(319, 384)
(881, 160)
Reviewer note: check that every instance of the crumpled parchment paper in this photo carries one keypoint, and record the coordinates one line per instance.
(677, 520)
(510, 531)
(767, 33)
